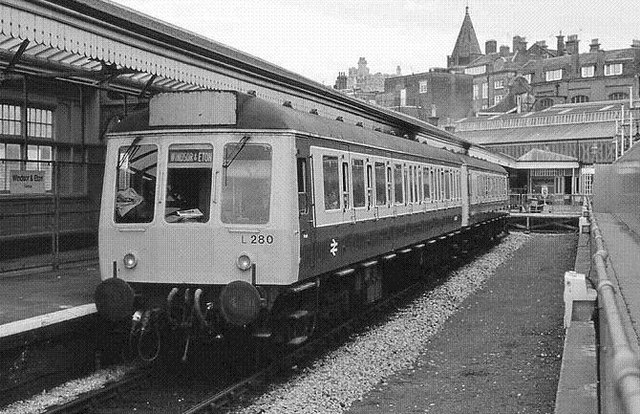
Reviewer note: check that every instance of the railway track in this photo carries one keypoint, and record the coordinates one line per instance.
(223, 398)
(231, 392)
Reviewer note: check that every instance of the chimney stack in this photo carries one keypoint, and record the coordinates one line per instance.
(560, 45)
(594, 46)
(519, 44)
(574, 50)
(572, 44)
(490, 46)
(635, 44)
(504, 51)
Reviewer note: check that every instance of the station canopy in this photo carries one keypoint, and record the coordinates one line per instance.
(51, 42)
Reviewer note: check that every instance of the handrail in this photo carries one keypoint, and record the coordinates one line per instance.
(624, 361)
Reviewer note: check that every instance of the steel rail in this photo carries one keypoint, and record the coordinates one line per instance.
(91, 400)
(624, 363)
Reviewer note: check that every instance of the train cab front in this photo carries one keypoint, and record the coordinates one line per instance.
(197, 233)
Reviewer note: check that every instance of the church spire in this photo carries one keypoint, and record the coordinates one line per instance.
(467, 47)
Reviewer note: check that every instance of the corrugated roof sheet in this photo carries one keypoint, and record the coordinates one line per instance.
(538, 155)
(541, 133)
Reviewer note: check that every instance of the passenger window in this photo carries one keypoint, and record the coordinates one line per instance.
(136, 184)
(381, 194)
(331, 182)
(447, 185)
(345, 186)
(426, 190)
(436, 178)
(398, 182)
(357, 167)
(419, 184)
(369, 186)
(432, 181)
(246, 184)
(389, 185)
(188, 189)
(412, 183)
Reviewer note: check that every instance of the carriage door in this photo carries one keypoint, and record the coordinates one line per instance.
(305, 208)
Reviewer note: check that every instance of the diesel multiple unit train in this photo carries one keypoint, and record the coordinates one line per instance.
(222, 211)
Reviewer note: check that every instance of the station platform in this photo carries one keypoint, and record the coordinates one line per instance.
(34, 299)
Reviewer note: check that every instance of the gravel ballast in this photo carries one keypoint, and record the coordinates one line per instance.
(333, 383)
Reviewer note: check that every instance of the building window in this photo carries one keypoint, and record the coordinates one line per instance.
(528, 77)
(476, 70)
(553, 75)
(16, 156)
(587, 183)
(612, 69)
(485, 90)
(545, 103)
(499, 84)
(588, 71)
(476, 91)
(423, 86)
(10, 117)
(617, 96)
(497, 99)
(579, 99)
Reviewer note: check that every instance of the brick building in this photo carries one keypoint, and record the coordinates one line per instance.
(437, 96)
(553, 76)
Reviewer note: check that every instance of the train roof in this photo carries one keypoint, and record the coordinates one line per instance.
(481, 164)
(250, 112)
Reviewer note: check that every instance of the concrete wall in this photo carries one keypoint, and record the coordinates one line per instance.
(616, 189)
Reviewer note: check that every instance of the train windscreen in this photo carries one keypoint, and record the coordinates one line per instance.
(136, 183)
(246, 184)
(188, 190)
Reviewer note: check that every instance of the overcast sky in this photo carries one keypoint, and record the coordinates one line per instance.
(319, 38)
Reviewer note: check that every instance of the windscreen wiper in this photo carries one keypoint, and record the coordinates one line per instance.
(243, 142)
(130, 151)
(227, 163)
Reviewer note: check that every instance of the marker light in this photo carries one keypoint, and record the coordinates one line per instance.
(243, 262)
(129, 260)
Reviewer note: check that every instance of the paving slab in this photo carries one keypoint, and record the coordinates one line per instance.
(33, 295)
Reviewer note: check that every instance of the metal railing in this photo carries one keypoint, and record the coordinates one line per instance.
(619, 364)
(551, 203)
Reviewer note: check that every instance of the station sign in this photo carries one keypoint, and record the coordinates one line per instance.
(27, 182)
(190, 157)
